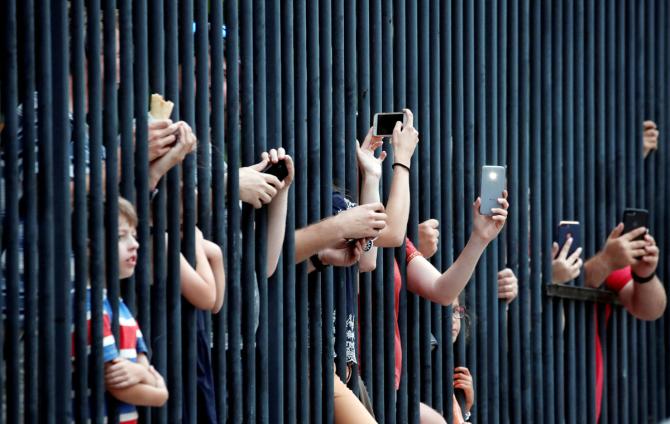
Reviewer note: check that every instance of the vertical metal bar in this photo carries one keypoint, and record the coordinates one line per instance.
(62, 213)
(591, 243)
(343, 176)
(425, 155)
(218, 233)
(111, 189)
(260, 145)
(494, 306)
(154, 68)
(411, 346)
(301, 202)
(543, 328)
(434, 121)
(275, 337)
(462, 196)
(363, 94)
(446, 346)
(233, 270)
(632, 125)
(513, 248)
(559, 188)
(27, 64)
(10, 216)
(480, 368)
(314, 211)
(249, 285)
(288, 128)
(582, 344)
(95, 207)
(469, 164)
(325, 75)
(378, 298)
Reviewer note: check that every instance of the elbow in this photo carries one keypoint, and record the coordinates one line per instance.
(392, 238)
(652, 312)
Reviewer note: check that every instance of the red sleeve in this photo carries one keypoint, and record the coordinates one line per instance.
(619, 278)
(411, 251)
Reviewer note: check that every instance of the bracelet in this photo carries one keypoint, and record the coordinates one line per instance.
(401, 165)
(642, 280)
(318, 265)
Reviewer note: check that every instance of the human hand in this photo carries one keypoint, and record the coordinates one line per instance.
(404, 140)
(368, 163)
(428, 237)
(158, 378)
(565, 268)
(162, 134)
(649, 137)
(122, 373)
(623, 250)
(280, 155)
(487, 227)
(364, 221)
(508, 285)
(345, 256)
(186, 142)
(463, 381)
(258, 188)
(647, 264)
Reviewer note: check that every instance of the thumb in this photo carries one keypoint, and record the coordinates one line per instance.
(260, 166)
(616, 232)
(554, 249)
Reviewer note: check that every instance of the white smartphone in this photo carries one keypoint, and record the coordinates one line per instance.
(384, 123)
(493, 185)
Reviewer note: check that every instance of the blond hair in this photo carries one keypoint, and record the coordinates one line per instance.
(127, 212)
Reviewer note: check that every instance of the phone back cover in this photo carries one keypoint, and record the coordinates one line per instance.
(492, 188)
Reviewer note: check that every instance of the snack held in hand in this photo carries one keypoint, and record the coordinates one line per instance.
(160, 108)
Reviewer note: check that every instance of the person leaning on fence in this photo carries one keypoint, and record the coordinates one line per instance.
(128, 375)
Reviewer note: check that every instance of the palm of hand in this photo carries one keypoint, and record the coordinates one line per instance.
(486, 227)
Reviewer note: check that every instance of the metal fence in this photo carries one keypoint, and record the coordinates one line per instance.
(555, 90)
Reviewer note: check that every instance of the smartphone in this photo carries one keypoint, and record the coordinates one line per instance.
(569, 229)
(493, 185)
(635, 218)
(384, 123)
(278, 169)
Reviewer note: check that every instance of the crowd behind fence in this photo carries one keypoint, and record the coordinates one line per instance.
(555, 91)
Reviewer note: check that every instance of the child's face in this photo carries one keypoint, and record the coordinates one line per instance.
(128, 246)
(455, 323)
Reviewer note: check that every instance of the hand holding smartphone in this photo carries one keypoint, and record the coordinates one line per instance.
(384, 123)
(278, 169)
(568, 229)
(492, 187)
(635, 218)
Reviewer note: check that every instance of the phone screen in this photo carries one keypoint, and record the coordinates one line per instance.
(386, 122)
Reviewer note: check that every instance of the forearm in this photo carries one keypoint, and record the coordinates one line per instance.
(199, 292)
(141, 394)
(452, 282)
(369, 194)
(216, 262)
(397, 210)
(311, 239)
(596, 270)
(648, 300)
(276, 229)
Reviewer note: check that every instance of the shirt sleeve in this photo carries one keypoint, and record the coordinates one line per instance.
(109, 349)
(141, 345)
(619, 278)
(411, 251)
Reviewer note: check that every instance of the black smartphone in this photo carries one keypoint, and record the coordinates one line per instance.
(278, 169)
(635, 218)
(384, 123)
(568, 229)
